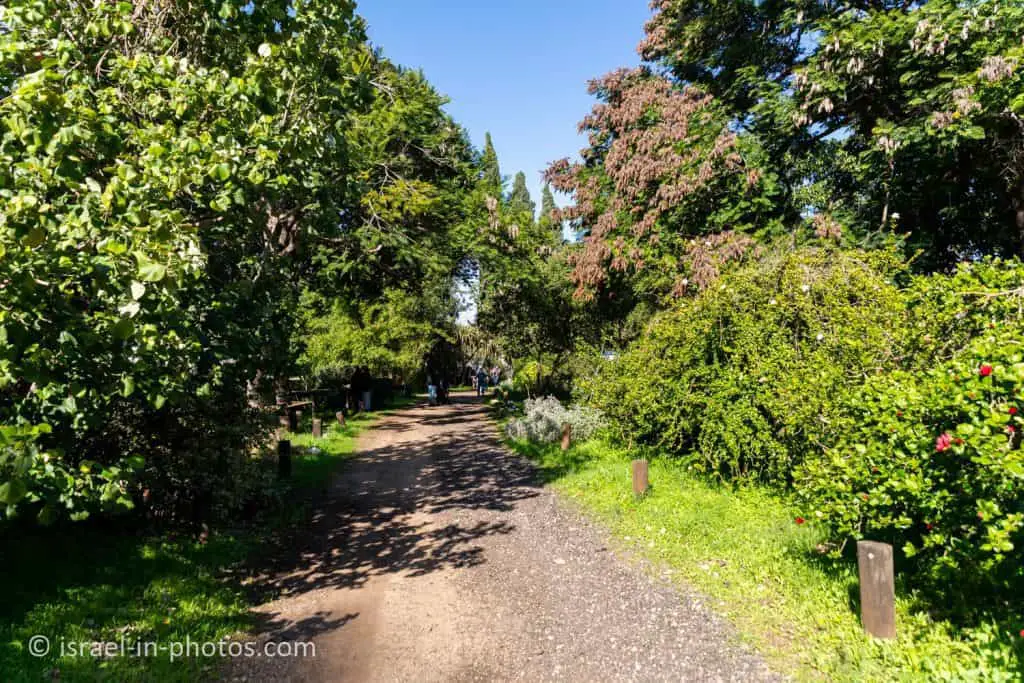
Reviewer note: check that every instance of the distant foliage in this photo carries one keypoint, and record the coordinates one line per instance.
(543, 419)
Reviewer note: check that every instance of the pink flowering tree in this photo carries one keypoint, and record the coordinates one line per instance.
(666, 191)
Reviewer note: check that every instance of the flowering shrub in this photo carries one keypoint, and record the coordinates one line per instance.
(931, 461)
(543, 419)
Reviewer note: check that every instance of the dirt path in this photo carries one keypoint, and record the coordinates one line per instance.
(438, 558)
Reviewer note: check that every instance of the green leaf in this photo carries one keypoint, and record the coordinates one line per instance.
(221, 172)
(34, 238)
(138, 290)
(12, 491)
(123, 329)
(127, 386)
(151, 271)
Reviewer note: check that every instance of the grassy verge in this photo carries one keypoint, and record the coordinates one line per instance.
(761, 570)
(106, 583)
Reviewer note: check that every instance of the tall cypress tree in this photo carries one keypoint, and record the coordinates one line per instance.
(490, 169)
(520, 201)
(547, 203)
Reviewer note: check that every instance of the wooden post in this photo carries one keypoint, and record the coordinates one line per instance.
(317, 428)
(284, 459)
(640, 477)
(341, 418)
(298, 419)
(877, 589)
(293, 420)
(566, 436)
(283, 425)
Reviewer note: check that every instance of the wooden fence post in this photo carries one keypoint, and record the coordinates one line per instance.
(877, 589)
(317, 428)
(640, 481)
(284, 459)
(566, 436)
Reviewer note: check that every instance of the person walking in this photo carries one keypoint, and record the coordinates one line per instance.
(481, 381)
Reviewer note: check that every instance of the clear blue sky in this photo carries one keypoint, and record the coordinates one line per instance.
(516, 68)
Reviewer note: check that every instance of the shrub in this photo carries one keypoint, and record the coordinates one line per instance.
(931, 462)
(746, 375)
(543, 419)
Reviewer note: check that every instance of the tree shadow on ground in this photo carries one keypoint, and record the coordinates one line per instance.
(376, 519)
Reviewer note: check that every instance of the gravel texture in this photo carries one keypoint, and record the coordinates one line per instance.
(437, 556)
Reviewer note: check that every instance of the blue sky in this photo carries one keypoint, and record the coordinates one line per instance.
(516, 68)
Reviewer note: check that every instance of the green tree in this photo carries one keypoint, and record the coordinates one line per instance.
(490, 170)
(547, 207)
(519, 200)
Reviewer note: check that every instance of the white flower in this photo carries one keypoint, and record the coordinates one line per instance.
(805, 289)
(820, 336)
(264, 50)
(772, 302)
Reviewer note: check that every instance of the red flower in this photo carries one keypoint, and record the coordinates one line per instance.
(1022, 633)
(864, 496)
(928, 526)
(1013, 410)
(958, 441)
(986, 370)
(1011, 429)
(943, 442)
(799, 520)
(899, 413)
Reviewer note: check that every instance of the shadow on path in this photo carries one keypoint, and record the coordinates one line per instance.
(382, 515)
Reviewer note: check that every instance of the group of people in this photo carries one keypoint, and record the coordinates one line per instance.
(481, 379)
(478, 376)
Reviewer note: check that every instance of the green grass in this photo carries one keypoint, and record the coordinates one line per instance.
(105, 582)
(742, 549)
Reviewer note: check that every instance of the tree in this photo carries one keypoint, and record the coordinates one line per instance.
(174, 179)
(881, 116)
(490, 171)
(547, 208)
(519, 200)
(666, 190)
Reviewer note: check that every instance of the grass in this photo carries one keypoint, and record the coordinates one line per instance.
(108, 582)
(742, 549)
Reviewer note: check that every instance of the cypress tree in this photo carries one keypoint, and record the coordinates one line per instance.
(520, 200)
(491, 172)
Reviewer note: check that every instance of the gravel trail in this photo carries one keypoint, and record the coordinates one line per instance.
(437, 556)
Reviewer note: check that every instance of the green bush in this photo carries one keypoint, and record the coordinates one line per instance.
(746, 375)
(931, 462)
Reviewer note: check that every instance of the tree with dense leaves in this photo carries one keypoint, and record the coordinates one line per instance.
(490, 170)
(173, 177)
(900, 116)
(666, 190)
(547, 208)
(519, 200)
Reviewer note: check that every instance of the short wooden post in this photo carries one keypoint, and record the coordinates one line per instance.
(877, 589)
(341, 417)
(284, 459)
(640, 482)
(317, 428)
(293, 420)
(298, 420)
(566, 436)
